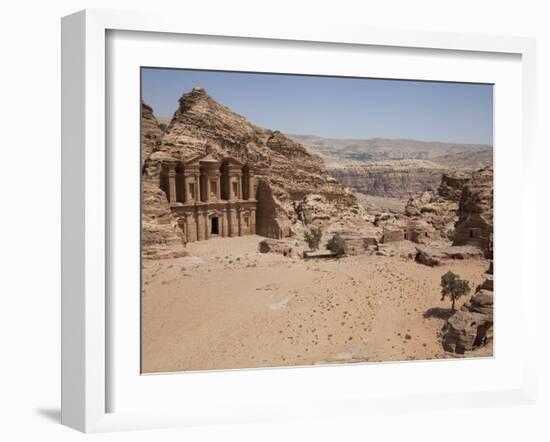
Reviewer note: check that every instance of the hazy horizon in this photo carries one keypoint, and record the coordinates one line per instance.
(336, 107)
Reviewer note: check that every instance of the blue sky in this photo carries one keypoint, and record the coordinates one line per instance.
(336, 107)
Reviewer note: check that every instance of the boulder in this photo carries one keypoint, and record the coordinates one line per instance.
(481, 302)
(434, 256)
(465, 330)
(429, 256)
(276, 246)
(487, 284)
(472, 326)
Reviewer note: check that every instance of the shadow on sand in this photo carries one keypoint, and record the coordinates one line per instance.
(438, 312)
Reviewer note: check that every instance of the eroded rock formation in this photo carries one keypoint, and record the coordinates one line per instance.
(151, 132)
(440, 207)
(158, 226)
(471, 327)
(475, 212)
(461, 209)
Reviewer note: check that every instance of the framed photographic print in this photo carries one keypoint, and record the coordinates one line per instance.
(276, 223)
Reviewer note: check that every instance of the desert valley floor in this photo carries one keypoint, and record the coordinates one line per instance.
(228, 306)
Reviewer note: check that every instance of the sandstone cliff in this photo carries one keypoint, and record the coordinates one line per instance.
(286, 172)
(475, 212)
(461, 208)
(151, 132)
(158, 227)
(394, 179)
(439, 207)
(395, 168)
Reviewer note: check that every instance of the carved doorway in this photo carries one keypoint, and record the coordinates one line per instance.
(214, 225)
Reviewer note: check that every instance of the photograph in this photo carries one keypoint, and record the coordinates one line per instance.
(302, 220)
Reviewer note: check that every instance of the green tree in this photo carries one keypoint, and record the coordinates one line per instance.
(313, 237)
(337, 245)
(453, 287)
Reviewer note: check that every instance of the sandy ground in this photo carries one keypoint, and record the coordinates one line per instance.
(228, 306)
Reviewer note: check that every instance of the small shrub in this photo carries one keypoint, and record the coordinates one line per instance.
(313, 237)
(337, 245)
(453, 287)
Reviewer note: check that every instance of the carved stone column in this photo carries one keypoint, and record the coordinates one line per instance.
(233, 222)
(251, 186)
(201, 225)
(171, 173)
(240, 186)
(207, 192)
(223, 224)
(252, 221)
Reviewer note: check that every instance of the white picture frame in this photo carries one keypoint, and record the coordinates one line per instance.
(86, 351)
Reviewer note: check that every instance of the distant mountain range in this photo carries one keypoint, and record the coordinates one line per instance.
(339, 152)
(394, 168)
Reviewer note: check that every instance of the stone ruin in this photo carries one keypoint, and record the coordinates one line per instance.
(210, 197)
(392, 233)
(415, 230)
